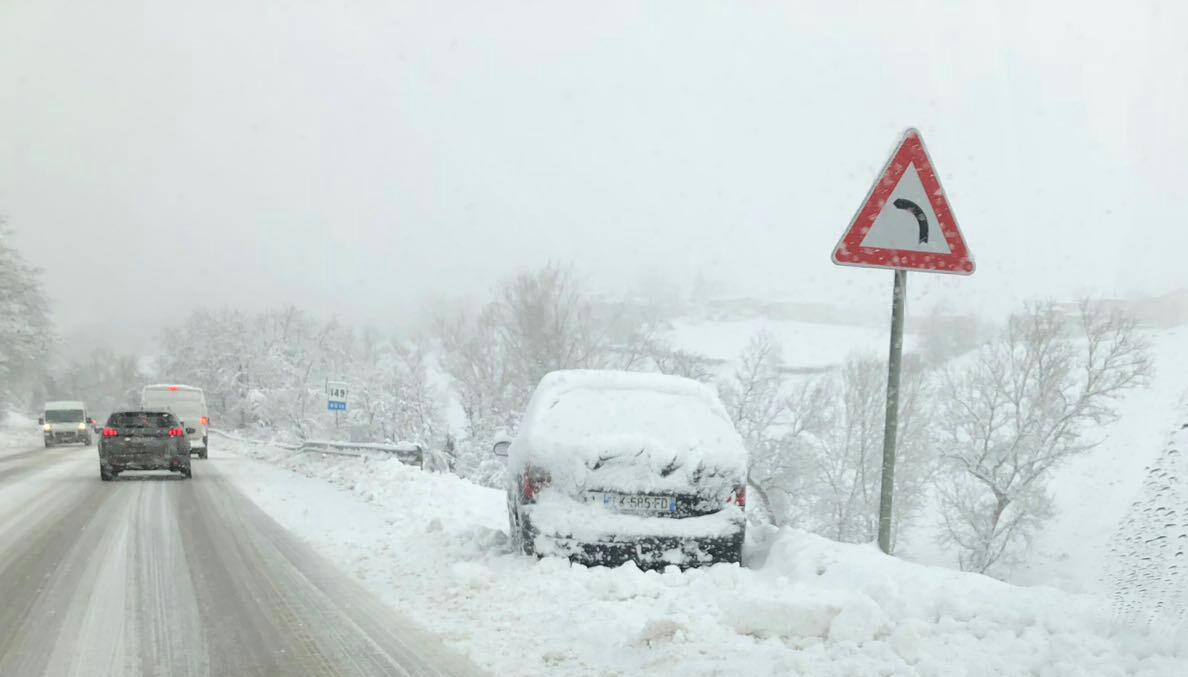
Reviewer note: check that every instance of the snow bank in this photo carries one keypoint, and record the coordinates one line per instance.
(435, 547)
(667, 432)
(18, 431)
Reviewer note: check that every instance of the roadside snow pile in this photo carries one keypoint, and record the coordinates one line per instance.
(435, 547)
(18, 431)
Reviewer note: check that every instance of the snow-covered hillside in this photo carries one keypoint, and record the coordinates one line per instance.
(435, 546)
(1093, 493)
(806, 345)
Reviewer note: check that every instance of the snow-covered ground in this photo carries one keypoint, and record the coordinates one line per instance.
(435, 546)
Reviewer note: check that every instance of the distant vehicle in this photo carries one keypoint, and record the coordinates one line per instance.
(66, 421)
(610, 467)
(143, 439)
(188, 404)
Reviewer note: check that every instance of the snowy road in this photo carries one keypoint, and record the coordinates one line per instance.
(152, 575)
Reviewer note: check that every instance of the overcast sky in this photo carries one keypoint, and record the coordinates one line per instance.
(361, 156)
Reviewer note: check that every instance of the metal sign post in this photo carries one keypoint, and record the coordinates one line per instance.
(891, 423)
(894, 229)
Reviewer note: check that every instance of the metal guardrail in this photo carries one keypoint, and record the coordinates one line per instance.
(407, 453)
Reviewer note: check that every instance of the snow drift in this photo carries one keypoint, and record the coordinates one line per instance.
(435, 546)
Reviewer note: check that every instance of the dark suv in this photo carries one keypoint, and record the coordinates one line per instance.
(143, 440)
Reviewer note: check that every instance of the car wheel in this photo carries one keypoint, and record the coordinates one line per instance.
(87, 441)
(105, 475)
(48, 444)
(202, 453)
(187, 472)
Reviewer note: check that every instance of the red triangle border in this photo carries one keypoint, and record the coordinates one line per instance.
(849, 250)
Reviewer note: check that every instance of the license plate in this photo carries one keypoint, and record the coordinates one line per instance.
(634, 503)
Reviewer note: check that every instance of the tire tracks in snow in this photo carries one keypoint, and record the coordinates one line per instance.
(154, 575)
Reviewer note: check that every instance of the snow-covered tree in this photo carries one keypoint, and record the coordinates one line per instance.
(1018, 408)
(816, 443)
(845, 448)
(104, 379)
(25, 330)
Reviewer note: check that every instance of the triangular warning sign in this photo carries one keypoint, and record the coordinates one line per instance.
(906, 221)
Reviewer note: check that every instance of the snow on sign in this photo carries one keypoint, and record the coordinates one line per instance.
(336, 396)
(906, 222)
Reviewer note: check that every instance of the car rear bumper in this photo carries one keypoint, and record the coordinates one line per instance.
(152, 461)
(646, 551)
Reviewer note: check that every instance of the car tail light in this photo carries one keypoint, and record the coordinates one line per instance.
(739, 497)
(534, 481)
(111, 432)
(177, 432)
(204, 420)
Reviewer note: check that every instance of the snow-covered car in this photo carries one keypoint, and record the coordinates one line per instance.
(610, 467)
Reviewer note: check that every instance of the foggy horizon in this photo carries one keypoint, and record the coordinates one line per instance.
(368, 161)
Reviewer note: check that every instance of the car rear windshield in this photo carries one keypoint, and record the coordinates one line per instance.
(142, 420)
(63, 415)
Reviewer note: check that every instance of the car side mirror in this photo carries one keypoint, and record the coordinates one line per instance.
(90, 420)
(40, 420)
(500, 448)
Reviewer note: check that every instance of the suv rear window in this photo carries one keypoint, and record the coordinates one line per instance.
(139, 419)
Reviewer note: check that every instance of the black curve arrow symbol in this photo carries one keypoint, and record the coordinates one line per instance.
(916, 212)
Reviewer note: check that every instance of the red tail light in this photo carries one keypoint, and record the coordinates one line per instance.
(177, 432)
(111, 432)
(739, 497)
(204, 420)
(534, 481)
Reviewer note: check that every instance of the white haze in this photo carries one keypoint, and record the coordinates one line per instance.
(361, 157)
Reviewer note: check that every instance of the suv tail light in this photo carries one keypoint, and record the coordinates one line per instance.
(533, 481)
(111, 432)
(204, 420)
(739, 497)
(177, 432)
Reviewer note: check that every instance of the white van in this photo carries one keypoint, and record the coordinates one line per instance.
(188, 404)
(65, 421)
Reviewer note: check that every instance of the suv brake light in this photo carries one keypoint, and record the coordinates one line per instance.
(177, 432)
(111, 432)
(533, 482)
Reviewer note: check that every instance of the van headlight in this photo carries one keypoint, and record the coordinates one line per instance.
(82, 426)
(47, 427)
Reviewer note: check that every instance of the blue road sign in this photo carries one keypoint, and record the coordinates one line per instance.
(331, 405)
